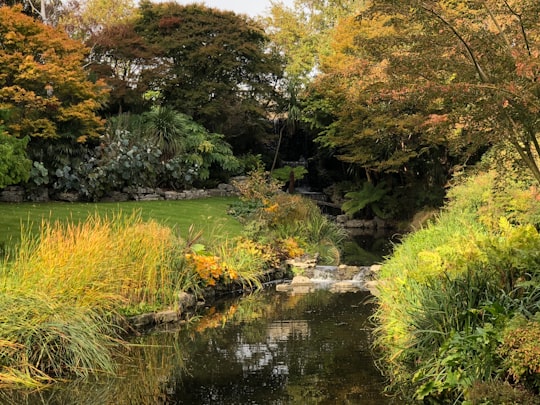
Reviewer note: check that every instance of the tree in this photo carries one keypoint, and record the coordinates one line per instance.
(45, 93)
(302, 32)
(48, 11)
(130, 66)
(84, 19)
(221, 73)
(425, 77)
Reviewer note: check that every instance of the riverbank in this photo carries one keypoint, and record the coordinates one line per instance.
(457, 302)
(74, 282)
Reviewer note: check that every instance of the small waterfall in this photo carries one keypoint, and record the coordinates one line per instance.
(334, 278)
(362, 274)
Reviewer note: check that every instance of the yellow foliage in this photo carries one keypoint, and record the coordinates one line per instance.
(209, 268)
(99, 262)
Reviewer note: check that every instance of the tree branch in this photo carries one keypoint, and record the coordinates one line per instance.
(501, 32)
(523, 32)
(477, 66)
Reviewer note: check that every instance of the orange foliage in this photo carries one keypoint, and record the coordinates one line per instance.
(43, 84)
(209, 268)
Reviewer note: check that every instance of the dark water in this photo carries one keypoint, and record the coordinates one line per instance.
(267, 348)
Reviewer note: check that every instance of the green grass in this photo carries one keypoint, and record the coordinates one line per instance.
(208, 215)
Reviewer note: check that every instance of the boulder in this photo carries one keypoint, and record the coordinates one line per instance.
(67, 196)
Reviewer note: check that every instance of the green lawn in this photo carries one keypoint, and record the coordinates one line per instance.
(207, 214)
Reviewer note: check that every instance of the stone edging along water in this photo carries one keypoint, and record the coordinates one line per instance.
(188, 303)
(309, 277)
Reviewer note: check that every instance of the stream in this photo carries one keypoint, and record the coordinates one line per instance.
(264, 348)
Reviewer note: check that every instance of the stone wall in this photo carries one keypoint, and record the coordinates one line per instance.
(17, 194)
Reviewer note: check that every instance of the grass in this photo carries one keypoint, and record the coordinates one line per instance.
(70, 269)
(208, 215)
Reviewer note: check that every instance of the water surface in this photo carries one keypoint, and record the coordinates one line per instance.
(267, 348)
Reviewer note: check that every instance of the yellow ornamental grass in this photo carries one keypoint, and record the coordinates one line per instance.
(103, 261)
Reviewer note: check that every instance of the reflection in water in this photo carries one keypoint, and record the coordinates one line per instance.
(267, 348)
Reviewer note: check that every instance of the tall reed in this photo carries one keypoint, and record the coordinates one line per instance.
(105, 262)
(59, 292)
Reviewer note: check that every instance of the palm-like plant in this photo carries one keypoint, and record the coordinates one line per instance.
(370, 196)
(167, 129)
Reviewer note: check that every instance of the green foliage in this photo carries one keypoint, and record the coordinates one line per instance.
(39, 175)
(370, 196)
(122, 160)
(221, 71)
(448, 292)
(43, 339)
(160, 148)
(284, 173)
(14, 164)
(188, 150)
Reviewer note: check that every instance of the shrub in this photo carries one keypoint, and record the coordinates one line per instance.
(498, 393)
(520, 349)
(14, 165)
(284, 216)
(447, 293)
(257, 187)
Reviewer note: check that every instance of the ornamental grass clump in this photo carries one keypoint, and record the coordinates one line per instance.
(62, 294)
(42, 339)
(106, 263)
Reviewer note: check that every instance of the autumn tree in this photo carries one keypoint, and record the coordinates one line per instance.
(302, 32)
(221, 73)
(130, 66)
(433, 77)
(45, 93)
(84, 19)
(48, 11)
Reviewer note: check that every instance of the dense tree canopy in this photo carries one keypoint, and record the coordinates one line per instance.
(410, 80)
(221, 73)
(44, 90)
(130, 66)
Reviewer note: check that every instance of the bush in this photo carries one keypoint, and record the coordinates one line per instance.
(520, 349)
(14, 165)
(277, 218)
(498, 393)
(448, 292)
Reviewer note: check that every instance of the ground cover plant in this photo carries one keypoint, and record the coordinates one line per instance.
(459, 300)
